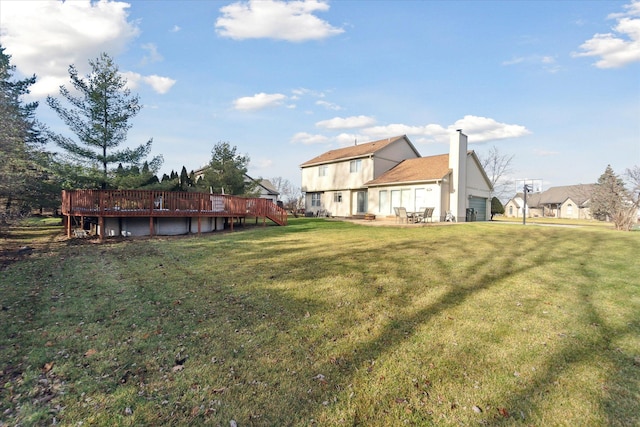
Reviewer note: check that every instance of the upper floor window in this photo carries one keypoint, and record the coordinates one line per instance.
(355, 166)
(322, 170)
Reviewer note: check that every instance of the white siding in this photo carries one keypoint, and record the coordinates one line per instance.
(429, 195)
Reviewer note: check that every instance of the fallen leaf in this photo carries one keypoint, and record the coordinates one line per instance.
(503, 412)
(47, 367)
(177, 368)
(90, 352)
(48, 344)
(477, 409)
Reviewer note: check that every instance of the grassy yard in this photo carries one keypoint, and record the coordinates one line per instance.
(324, 323)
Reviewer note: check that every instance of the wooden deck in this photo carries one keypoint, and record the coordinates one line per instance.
(151, 204)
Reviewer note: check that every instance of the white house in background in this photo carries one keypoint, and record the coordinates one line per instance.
(569, 201)
(266, 189)
(514, 207)
(378, 176)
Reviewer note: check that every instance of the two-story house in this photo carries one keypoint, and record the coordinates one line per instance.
(378, 176)
(335, 181)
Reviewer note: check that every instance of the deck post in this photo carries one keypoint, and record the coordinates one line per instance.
(101, 227)
(150, 226)
(199, 226)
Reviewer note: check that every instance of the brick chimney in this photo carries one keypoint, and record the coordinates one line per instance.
(458, 165)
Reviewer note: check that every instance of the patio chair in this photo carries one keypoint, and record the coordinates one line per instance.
(395, 210)
(427, 214)
(424, 215)
(403, 216)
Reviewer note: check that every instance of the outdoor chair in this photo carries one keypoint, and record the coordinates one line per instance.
(424, 215)
(402, 215)
(427, 214)
(395, 210)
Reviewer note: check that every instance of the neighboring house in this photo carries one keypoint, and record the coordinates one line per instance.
(265, 188)
(570, 201)
(514, 207)
(378, 176)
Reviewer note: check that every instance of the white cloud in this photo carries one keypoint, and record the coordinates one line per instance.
(159, 84)
(547, 62)
(346, 122)
(308, 139)
(175, 29)
(479, 129)
(291, 21)
(483, 129)
(152, 54)
(329, 105)
(431, 132)
(45, 37)
(620, 47)
(259, 101)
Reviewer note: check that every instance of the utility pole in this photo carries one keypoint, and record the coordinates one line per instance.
(527, 188)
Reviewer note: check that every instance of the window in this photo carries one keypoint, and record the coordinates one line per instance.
(355, 166)
(322, 170)
(337, 197)
(384, 202)
(315, 200)
(510, 210)
(569, 209)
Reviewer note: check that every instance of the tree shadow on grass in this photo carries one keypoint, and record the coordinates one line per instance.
(269, 339)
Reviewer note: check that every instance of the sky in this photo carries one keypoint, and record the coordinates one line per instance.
(555, 84)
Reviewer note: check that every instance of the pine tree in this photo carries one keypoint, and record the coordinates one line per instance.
(610, 201)
(608, 195)
(99, 117)
(25, 181)
(227, 170)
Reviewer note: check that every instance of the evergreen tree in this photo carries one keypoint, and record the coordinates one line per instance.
(611, 201)
(496, 207)
(99, 117)
(26, 183)
(608, 195)
(184, 179)
(227, 170)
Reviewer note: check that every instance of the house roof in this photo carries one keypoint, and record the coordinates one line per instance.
(415, 170)
(580, 194)
(267, 185)
(356, 151)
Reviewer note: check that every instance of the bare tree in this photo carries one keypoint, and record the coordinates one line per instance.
(289, 193)
(498, 168)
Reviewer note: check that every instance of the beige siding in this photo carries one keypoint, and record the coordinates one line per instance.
(390, 156)
(338, 176)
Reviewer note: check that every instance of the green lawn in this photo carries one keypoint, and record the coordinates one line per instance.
(326, 323)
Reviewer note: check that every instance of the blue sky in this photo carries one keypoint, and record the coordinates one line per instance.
(554, 83)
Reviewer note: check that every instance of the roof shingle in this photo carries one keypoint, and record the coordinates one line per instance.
(355, 151)
(415, 170)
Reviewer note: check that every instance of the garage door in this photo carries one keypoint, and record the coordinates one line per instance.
(479, 204)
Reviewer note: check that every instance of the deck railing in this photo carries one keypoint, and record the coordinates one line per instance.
(151, 203)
